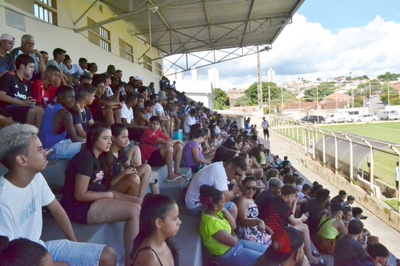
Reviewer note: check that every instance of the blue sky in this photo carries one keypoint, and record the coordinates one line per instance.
(339, 14)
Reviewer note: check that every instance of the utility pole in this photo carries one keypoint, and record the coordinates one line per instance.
(269, 99)
(259, 87)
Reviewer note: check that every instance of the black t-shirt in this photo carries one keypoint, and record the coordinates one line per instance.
(313, 207)
(337, 199)
(82, 118)
(14, 87)
(84, 163)
(116, 165)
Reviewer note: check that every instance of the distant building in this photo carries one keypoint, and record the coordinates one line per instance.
(199, 91)
(213, 77)
(335, 101)
(271, 75)
(193, 72)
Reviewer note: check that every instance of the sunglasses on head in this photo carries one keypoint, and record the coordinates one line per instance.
(250, 187)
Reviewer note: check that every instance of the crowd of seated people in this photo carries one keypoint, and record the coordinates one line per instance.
(247, 200)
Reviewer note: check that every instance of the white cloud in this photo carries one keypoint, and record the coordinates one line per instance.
(307, 50)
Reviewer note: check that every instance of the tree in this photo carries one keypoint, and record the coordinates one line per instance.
(364, 88)
(242, 101)
(324, 89)
(394, 95)
(358, 101)
(389, 76)
(221, 100)
(276, 93)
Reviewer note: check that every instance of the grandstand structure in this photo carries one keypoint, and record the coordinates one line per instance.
(136, 35)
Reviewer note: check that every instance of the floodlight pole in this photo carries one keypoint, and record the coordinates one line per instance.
(259, 87)
(269, 100)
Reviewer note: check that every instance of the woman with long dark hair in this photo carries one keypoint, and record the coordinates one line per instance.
(159, 221)
(87, 199)
(217, 232)
(124, 172)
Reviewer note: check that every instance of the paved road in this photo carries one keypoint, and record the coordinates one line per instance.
(387, 235)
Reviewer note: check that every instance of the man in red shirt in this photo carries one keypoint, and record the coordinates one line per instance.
(280, 213)
(43, 90)
(154, 156)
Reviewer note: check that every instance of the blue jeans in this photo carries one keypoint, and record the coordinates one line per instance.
(65, 150)
(74, 253)
(243, 254)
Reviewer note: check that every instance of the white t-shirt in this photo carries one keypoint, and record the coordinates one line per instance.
(21, 208)
(75, 68)
(158, 109)
(188, 122)
(217, 130)
(110, 93)
(265, 124)
(127, 113)
(212, 175)
(61, 66)
(397, 173)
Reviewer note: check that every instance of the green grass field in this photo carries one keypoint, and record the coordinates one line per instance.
(384, 163)
(388, 131)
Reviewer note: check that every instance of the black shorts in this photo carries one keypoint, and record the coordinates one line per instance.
(397, 184)
(266, 132)
(156, 159)
(136, 133)
(16, 112)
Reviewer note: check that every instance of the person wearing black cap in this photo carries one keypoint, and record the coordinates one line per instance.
(287, 249)
(330, 227)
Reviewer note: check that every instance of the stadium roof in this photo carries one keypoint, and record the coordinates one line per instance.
(190, 26)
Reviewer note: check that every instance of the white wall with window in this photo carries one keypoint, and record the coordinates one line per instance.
(100, 44)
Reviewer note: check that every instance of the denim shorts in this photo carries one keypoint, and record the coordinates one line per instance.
(65, 150)
(75, 253)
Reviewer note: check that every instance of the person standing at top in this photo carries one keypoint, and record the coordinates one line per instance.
(247, 127)
(265, 126)
(397, 178)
